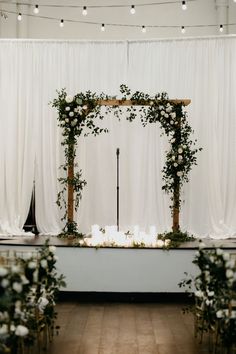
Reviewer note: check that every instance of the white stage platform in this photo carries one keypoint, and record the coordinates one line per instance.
(130, 270)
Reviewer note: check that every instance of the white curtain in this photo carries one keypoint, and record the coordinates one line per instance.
(203, 70)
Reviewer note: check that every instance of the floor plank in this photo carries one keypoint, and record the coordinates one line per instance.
(122, 328)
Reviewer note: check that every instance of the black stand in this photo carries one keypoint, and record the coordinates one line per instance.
(117, 190)
(30, 224)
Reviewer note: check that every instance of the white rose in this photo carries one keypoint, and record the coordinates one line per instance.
(211, 293)
(84, 107)
(226, 256)
(198, 293)
(180, 157)
(3, 329)
(176, 123)
(172, 140)
(179, 173)
(180, 150)
(32, 265)
(63, 123)
(171, 122)
(219, 252)
(173, 115)
(169, 109)
(43, 301)
(209, 302)
(162, 113)
(44, 263)
(230, 264)
(21, 331)
(52, 249)
(161, 108)
(15, 269)
(175, 164)
(71, 114)
(75, 120)
(67, 120)
(229, 273)
(166, 115)
(24, 279)
(18, 304)
(173, 157)
(67, 108)
(4, 283)
(184, 147)
(27, 256)
(17, 287)
(69, 99)
(160, 243)
(3, 272)
(12, 328)
(219, 314)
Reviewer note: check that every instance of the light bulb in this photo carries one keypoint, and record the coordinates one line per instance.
(183, 29)
(62, 23)
(36, 9)
(132, 10)
(103, 27)
(19, 17)
(184, 6)
(84, 12)
(144, 30)
(221, 28)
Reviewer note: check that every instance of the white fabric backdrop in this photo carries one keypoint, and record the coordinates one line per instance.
(201, 69)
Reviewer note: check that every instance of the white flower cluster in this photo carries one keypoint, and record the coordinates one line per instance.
(18, 283)
(73, 111)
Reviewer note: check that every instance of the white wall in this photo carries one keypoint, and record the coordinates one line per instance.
(198, 12)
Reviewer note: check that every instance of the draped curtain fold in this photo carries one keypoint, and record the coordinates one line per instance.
(203, 70)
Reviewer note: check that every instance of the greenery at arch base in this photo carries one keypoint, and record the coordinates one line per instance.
(78, 116)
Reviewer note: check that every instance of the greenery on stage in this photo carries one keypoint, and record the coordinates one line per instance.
(174, 239)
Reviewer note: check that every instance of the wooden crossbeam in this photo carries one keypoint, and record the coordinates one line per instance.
(114, 102)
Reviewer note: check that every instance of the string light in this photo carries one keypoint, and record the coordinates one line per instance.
(62, 23)
(144, 30)
(183, 30)
(221, 28)
(36, 9)
(132, 10)
(103, 27)
(184, 6)
(19, 17)
(84, 12)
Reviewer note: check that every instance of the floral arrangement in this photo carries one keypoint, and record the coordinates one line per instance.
(29, 285)
(215, 296)
(181, 156)
(76, 117)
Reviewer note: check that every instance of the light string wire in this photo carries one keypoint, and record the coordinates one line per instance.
(96, 6)
(114, 24)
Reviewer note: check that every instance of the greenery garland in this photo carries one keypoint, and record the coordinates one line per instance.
(76, 117)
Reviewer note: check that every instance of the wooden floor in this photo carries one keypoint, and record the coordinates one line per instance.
(120, 328)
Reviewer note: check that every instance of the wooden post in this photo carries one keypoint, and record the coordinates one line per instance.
(70, 189)
(175, 226)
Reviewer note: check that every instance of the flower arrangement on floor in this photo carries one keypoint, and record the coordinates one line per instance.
(215, 297)
(29, 285)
